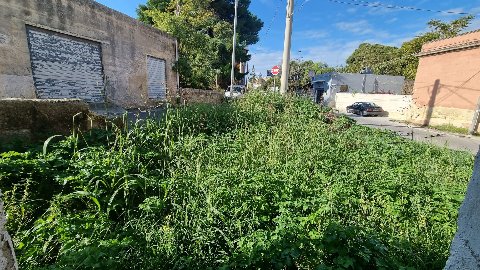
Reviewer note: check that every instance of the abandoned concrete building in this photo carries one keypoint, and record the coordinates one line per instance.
(56, 49)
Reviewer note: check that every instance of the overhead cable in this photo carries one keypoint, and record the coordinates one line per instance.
(380, 5)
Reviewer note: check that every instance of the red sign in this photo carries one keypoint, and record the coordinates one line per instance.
(275, 70)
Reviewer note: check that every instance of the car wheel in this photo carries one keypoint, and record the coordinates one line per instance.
(363, 113)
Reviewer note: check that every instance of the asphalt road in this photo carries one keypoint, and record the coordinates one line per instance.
(449, 140)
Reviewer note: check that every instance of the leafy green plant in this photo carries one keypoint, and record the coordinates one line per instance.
(265, 182)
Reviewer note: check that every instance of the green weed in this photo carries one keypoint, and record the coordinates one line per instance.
(266, 182)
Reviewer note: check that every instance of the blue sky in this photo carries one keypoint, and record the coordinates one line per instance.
(329, 31)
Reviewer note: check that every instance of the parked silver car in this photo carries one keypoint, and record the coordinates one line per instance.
(237, 92)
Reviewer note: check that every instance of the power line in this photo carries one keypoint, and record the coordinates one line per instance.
(273, 18)
(302, 5)
(379, 5)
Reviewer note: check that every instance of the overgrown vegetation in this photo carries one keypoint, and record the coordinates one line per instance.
(204, 30)
(266, 182)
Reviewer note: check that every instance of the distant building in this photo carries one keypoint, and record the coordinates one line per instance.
(325, 86)
(82, 49)
(447, 84)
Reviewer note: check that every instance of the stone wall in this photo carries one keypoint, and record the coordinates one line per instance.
(193, 96)
(29, 119)
(125, 45)
(397, 106)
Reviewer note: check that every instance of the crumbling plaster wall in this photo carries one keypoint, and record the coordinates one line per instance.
(125, 45)
(465, 248)
(7, 253)
(195, 96)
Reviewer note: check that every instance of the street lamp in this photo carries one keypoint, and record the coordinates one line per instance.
(232, 73)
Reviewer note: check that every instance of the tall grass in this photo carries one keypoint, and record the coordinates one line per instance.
(267, 182)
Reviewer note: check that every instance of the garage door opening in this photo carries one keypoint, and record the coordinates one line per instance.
(65, 66)
(157, 81)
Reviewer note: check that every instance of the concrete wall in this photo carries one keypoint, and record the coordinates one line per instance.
(334, 81)
(436, 116)
(397, 106)
(31, 119)
(465, 247)
(125, 45)
(447, 85)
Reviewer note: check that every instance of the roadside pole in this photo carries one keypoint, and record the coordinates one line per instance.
(177, 13)
(286, 48)
(232, 74)
(476, 116)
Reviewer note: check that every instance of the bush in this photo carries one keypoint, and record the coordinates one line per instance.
(265, 182)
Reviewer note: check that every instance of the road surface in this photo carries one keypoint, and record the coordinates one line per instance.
(440, 138)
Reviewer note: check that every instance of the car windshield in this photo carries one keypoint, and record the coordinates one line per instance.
(370, 104)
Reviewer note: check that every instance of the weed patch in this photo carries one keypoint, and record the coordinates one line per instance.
(266, 182)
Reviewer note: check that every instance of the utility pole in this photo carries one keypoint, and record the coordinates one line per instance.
(286, 48)
(232, 74)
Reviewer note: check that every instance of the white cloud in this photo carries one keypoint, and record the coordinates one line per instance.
(363, 27)
(474, 11)
(334, 52)
(474, 25)
(392, 20)
(379, 8)
(264, 60)
(359, 27)
(310, 34)
(351, 10)
(454, 12)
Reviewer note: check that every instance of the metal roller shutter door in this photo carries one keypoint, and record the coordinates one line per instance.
(157, 86)
(65, 67)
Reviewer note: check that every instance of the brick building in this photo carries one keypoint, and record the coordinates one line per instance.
(447, 85)
(54, 49)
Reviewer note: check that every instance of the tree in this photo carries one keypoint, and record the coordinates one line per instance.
(387, 60)
(204, 30)
(142, 10)
(451, 29)
(408, 61)
(372, 56)
(299, 71)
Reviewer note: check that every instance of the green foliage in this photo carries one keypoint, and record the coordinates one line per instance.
(301, 69)
(299, 76)
(371, 55)
(450, 128)
(451, 29)
(142, 10)
(204, 30)
(387, 60)
(264, 182)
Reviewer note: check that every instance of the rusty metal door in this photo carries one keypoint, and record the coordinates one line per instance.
(157, 82)
(65, 66)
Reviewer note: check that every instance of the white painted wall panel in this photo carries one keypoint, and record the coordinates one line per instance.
(157, 80)
(65, 67)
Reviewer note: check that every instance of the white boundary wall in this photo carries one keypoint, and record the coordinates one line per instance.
(397, 106)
